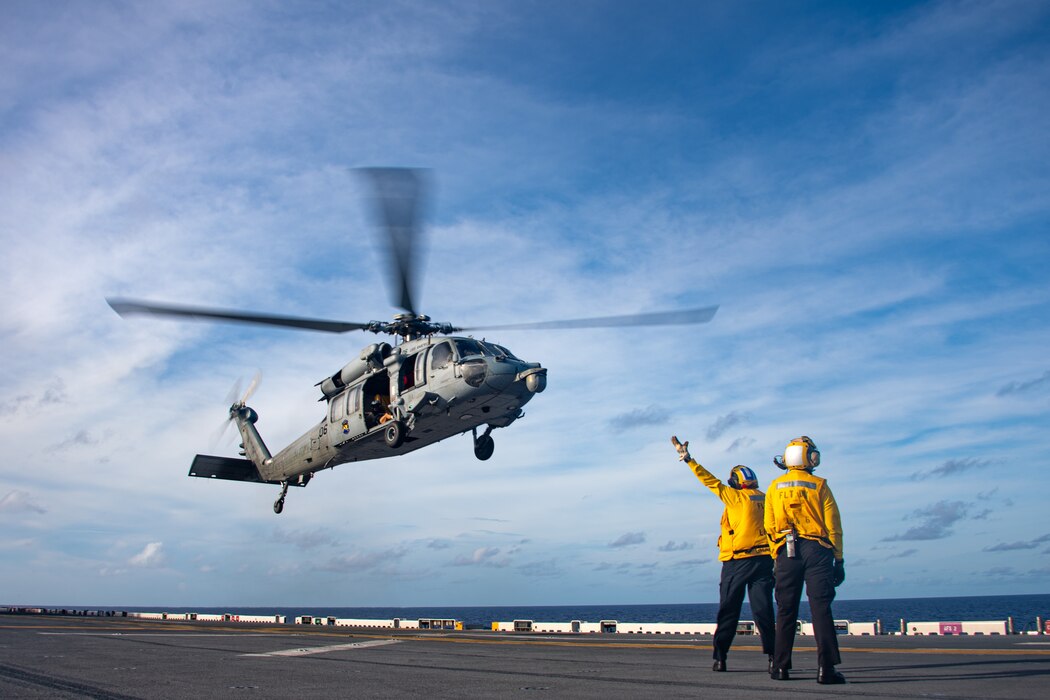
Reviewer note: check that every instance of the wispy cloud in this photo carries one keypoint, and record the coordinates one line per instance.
(1031, 385)
(640, 417)
(937, 521)
(305, 539)
(151, 556)
(1018, 545)
(362, 561)
(628, 539)
(51, 395)
(20, 502)
(724, 423)
(673, 546)
(544, 568)
(1010, 546)
(741, 443)
(82, 438)
(952, 467)
(690, 563)
(482, 556)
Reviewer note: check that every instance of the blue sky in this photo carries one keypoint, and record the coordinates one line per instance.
(862, 188)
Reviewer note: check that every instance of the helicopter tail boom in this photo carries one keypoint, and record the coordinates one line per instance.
(252, 445)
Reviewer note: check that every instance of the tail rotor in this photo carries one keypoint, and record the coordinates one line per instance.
(237, 405)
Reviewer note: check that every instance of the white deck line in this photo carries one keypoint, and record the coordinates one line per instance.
(307, 651)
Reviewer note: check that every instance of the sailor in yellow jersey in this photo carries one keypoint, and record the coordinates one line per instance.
(744, 552)
(805, 536)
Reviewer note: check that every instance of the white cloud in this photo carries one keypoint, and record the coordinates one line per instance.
(482, 556)
(151, 556)
(628, 539)
(20, 502)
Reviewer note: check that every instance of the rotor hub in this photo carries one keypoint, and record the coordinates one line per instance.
(410, 326)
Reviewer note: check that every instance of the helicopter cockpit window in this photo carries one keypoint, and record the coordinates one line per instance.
(468, 347)
(504, 351)
(440, 356)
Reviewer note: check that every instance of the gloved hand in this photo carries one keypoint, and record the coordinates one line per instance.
(682, 447)
(839, 573)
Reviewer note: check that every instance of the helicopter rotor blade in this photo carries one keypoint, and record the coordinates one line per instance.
(398, 198)
(130, 307)
(235, 391)
(660, 318)
(252, 387)
(231, 401)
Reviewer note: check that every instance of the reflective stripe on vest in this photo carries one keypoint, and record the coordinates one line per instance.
(796, 484)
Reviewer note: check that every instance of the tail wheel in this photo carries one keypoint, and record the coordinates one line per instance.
(394, 433)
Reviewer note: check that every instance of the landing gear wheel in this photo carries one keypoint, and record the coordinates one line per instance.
(394, 433)
(278, 505)
(484, 446)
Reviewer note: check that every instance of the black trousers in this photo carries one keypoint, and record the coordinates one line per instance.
(755, 575)
(814, 566)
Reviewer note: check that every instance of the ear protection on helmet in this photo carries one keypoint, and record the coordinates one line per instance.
(743, 478)
(801, 453)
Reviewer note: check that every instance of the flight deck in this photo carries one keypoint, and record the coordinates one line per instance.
(111, 658)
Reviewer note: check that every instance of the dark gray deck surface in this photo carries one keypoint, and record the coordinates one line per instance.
(71, 657)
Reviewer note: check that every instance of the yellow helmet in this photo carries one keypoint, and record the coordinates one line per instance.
(800, 453)
(742, 478)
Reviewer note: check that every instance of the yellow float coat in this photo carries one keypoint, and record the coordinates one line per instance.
(742, 532)
(798, 498)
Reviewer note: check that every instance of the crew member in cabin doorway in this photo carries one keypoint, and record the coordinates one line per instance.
(743, 549)
(805, 537)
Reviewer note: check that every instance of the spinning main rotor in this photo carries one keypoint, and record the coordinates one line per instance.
(397, 197)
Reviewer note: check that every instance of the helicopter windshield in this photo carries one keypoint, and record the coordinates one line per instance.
(500, 350)
(466, 347)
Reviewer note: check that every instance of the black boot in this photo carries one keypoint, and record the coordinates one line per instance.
(780, 674)
(827, 675)
(720, 665)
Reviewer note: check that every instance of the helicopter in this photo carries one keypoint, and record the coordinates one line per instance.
(394, 398)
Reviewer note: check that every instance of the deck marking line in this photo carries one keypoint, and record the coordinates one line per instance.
(307, 651)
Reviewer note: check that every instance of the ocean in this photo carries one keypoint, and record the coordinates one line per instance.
(1023, 608)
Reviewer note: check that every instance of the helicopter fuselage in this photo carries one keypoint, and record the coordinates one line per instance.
(423, 391)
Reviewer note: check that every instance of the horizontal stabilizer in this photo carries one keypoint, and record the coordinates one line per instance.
(233, 469)
(225, 468)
